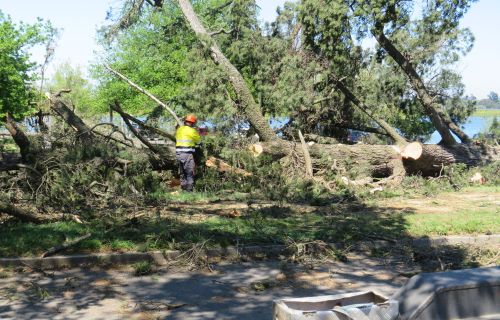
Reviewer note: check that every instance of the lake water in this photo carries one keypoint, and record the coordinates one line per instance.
(473, 126)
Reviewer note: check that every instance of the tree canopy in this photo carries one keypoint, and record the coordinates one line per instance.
(295, 65)
(16, 69)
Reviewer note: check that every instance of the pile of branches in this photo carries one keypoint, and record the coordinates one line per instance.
(73, 167)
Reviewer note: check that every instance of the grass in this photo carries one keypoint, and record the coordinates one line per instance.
(480, 221)
(142, 268)
(196, 197)
(472, 210)
(486, 113)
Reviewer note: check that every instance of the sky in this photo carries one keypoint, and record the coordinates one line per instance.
(79, 21)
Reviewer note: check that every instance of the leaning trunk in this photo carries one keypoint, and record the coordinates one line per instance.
(438, 115)
(245, 99)
(20, 138)
(83, 131)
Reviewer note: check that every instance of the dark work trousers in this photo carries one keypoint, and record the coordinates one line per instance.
(186, 170)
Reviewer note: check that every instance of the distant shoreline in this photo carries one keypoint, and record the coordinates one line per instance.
(486, 113)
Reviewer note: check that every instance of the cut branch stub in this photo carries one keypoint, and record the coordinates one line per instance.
(412, 150)
(256, 149)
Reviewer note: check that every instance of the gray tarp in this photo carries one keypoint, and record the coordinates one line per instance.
(461, 294)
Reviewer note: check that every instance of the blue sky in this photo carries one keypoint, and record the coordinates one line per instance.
(80, 19)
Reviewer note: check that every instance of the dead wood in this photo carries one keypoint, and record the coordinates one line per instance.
(382, 161)
(65, 245)
(21, 214)
(307, 156)
(222, 166)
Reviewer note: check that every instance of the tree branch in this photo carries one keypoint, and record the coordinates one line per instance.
(152, 97)
(136, 133)
(162, 133)
(361, 106)
(307, 156)
(246, 102)
(219, 32)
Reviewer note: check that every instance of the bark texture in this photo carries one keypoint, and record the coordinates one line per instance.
(381, 161)
(18, 213)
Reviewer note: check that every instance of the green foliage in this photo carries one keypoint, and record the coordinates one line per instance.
(493, 96)
(81, 96)
(153, 54)
(142, 268)
(16, 77)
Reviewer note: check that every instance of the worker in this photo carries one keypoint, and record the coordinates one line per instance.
(187, 140)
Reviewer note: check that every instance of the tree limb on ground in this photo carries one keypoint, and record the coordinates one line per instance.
(222, 166)
(65, 245)
(18, 213)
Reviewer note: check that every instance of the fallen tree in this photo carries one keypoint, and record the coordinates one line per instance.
(382, 161)
(372, 160)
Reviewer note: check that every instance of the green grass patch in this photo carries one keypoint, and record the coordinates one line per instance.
(142, 268)
(196, 197)
(345, 223)
(486, 113)
(275, 225)
(479, 221)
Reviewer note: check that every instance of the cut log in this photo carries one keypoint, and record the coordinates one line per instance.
(381, 161)
(412, 150)
(434, 157)
(256, 149)
(222, 166)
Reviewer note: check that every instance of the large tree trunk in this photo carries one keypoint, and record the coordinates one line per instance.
(245, 99)
(367, 160)
(381, 161)
(20, 138)
(436, 112)
(434, 157)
